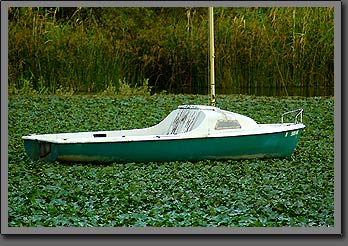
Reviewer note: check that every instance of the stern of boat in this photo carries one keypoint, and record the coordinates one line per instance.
(40, 150)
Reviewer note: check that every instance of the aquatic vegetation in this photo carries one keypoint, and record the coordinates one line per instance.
(293, 191)
(257, 49)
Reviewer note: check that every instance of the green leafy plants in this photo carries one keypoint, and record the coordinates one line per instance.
(297, 191)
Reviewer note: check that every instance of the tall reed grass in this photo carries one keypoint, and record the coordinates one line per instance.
(91, 49)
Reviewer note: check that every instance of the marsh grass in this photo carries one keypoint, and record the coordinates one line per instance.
(89, 49)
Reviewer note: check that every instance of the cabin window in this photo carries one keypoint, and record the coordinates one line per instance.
(227, 124)
(183, 121)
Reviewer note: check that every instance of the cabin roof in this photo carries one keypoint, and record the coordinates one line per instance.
(202, 118)
(201, 107)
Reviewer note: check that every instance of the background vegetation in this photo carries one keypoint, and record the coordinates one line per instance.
(90, 49)
(293, 191)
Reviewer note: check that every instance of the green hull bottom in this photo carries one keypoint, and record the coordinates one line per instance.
(215, 148)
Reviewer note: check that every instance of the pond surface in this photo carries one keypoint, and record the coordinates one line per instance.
(260, 91)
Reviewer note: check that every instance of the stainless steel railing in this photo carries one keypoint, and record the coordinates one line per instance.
(298, 114)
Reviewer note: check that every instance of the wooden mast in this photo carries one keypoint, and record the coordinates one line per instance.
(211, 57)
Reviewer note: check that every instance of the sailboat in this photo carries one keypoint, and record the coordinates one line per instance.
(188, 133)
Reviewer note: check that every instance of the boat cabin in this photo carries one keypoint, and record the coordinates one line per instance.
(204, 119)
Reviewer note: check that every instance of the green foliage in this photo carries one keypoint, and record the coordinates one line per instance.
(294, 191)
(125, 89)
(90, 49)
